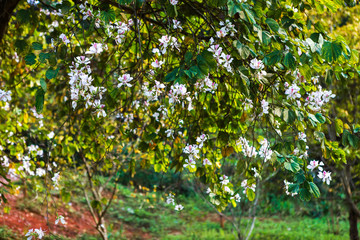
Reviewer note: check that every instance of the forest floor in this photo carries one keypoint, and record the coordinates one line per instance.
(143, 215)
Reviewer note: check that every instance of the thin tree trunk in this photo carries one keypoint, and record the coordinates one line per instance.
(354, 233)
(6, 9)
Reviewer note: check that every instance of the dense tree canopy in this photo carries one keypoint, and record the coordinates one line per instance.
(102, 87)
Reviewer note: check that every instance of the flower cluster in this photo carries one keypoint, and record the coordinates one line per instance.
(226, 28)
(36, 233)
(265, 151)
(317, 99)
(322, 174)
(5, 96)
(206, 85)
(292, 91)
(81, 83)
(222, 59)
(247, 150)
(170, 200)
(246, 186)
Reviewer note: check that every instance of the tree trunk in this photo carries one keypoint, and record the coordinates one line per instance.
(354, 233)
(6, 9)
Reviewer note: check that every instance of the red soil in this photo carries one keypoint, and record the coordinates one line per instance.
(78, 218)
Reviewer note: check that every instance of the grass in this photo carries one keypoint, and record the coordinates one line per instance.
(144, 212)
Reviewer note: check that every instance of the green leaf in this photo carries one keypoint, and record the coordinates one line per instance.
(304, 194)
(314, 121)
(65, 7)
(292, 166)
(233, 8)
(273, 57)
(39, 100)
(43, 57)
(30, 59)
(320, 118)
(345, 138)
(265, 38)
(294, 188)
(353, 140)
(95, 204)
(157, 167)
(314, 189)
(272, 24)
(202, 64)
(37, 46)
(51, 73)
(300, 177)
(43, 84)
(289, 61)
(250, 194)
(108, 15)
(243, 50)
(250, 15)
(23, 16)
(329, 76)
(20, 45)
(288, 116)
(188, 57)
(339, 125)
(331, 51)
(305, 71)
(172, 75)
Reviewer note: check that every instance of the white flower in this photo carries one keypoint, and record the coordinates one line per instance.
(64, 38)
(245, 185)
(315, 164)
(190, 163)
(176, 24)
(157, 63)
(95, 48)
(179, 207)
(201, 139)
(174, 2)
(325, 176)
(293, 92)
(302, 136)
(224, 180)
(236, 197)
(40, 233)
(170, 199)
(256, 64)
(206, 162)
(125, 80)
(40, 172)
(5, 96)
(61, 219)
(265, 106)
(51, 135)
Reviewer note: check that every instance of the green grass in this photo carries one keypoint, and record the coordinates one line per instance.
(267, 229)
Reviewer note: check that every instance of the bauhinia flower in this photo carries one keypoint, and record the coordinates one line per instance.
(39, 233)
(293, 92)
(179, 207)
(174, 2)
(256, 64)
(95, 48)
(60, 219)
(125, 80)
(315, 164)
(325, 176)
